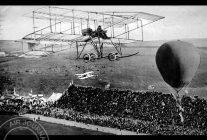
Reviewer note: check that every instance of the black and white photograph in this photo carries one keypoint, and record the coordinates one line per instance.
(103, 70)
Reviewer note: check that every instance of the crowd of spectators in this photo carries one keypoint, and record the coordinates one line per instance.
(148, 112)
(12, 106)
(138, 126)
(147, 106)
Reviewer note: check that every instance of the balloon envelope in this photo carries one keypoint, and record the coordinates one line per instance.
(177, 62)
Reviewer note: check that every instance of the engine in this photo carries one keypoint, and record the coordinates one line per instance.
(87, 31)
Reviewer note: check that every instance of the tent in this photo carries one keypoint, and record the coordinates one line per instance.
(2, 54)
(54, 97)
(9, 96)
(43, 99)
(40, 95)
(151, 87)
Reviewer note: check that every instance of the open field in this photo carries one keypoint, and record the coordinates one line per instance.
(54, 73)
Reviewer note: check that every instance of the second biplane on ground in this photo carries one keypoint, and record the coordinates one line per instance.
(97, 29)
(86, 75)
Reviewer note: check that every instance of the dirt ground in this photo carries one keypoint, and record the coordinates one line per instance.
(53, 128)
(54, 73)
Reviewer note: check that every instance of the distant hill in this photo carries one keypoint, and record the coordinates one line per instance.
(12, 45)
(9, 46)
(198, 42)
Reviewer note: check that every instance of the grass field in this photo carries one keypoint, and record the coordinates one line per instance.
(54, 73)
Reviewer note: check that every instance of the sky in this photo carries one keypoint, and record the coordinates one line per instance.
(179, 22)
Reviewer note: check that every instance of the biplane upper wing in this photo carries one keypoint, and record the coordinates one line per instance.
(65, 24)
(86, 77)
(90, 72)
(122, 18)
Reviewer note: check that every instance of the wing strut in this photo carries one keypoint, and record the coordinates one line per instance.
(117, 47)
(78, 56)
(95, 47)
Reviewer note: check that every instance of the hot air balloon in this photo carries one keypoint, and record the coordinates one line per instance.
(177, 62)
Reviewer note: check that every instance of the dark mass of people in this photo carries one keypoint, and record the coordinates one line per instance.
(148, 112)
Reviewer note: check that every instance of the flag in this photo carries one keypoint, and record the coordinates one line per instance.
(71, 83)
(15, 94)
(14, 91)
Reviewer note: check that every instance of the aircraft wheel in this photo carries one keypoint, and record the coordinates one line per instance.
(117, 57)
(111, 57)
(86, 58)
(92, 57)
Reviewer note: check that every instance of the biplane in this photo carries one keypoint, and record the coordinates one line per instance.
(79, 29)
(85, 75)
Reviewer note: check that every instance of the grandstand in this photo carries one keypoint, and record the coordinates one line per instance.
(147, 112)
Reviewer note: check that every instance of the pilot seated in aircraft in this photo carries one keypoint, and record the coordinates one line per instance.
(102, 33)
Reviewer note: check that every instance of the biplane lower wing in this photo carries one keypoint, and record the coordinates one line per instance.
(129, 55)
(122, 56)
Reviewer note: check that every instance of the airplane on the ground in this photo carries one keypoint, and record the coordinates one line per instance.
(85, 75)
(88, 28)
